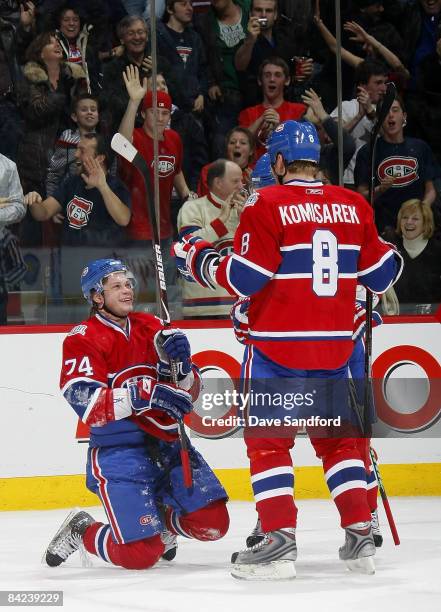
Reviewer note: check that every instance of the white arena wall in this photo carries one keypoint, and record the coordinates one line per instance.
(42, 457)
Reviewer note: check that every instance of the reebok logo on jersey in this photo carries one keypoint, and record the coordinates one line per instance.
(318, 213)
(314, 191)
(78, 211)
(78, 329)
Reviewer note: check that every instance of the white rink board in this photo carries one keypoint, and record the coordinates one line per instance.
(38, 427)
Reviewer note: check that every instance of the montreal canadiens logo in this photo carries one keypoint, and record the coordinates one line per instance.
(78, 211)
(166, 165)
(404, 170)
(146, 519)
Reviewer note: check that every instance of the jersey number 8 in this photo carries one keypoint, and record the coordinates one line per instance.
(325, 266)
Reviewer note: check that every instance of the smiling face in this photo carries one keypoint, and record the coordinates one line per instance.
(273, 82)
(52, 51)
(70, 24)
(86, 114)
(239, 149)
(134, 38)
(117, 298)
(412, 223)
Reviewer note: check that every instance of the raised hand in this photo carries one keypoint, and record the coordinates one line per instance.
(311, 99)
(135, 89)
(94, 175)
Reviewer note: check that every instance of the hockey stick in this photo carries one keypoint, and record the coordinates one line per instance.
(383, 109)
(123, 147)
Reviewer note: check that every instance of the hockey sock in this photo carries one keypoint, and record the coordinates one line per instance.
(208, 523)
(272, 479)
(346, 479)
(141, 554)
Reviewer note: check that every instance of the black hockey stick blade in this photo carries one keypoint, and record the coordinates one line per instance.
(383, 107)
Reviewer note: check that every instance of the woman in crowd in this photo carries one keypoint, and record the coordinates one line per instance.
(239, 147)
(44, 98)
(420, 282)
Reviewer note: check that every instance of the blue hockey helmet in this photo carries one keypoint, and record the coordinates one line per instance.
(295, 140)
(95, 272)
(261, 176)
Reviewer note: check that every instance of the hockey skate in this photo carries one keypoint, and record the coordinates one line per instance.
(376, 531)
(69, 537)
(170, 541)
(270, 559)
(359, 549)
(256, 535)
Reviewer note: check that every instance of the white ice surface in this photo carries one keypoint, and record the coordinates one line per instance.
(407, 577)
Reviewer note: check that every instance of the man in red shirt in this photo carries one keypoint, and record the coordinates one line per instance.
(263, 118)
(169, 171)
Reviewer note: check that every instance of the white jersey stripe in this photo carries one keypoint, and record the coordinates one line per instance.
(285, 469)
(308, 245)
(273, 493)
(347, 486)
(295, 275)
(300, 334)
(348, 463)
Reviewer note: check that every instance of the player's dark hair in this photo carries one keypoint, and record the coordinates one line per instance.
(368, 68)
(274, 61)
(216, 170)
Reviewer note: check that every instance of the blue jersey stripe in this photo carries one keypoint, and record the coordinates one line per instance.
(299, 261)
(346, 475)
(273, 482)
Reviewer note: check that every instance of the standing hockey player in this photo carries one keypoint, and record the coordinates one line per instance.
(116, 376)
(299, 251)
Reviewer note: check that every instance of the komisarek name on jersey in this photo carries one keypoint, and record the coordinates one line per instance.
(318, 213)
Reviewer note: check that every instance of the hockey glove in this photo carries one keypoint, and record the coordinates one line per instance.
(173, 345)
(239, 317)
(196, 260)
(360, 320)
(159, 396)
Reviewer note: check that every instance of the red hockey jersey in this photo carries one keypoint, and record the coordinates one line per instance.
(299, 251)
(98, 353)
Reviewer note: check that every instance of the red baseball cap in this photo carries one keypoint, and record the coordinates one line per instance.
(163, 100)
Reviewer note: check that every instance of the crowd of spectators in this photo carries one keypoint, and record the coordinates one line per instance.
(72, 73)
